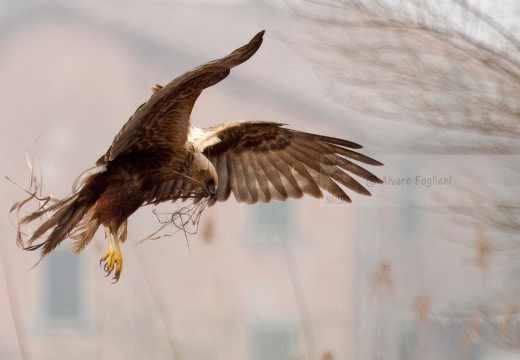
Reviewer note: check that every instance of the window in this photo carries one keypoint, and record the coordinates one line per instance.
(62, 278)
(63, 290)
(271, 222)
(273, 341)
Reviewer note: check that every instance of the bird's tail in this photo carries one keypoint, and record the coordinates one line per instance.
(71, 217)
(65, 220)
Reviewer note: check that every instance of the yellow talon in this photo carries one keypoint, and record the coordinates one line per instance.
(119, 267)
(113, 257)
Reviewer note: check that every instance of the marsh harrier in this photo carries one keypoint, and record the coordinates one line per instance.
(159, 156)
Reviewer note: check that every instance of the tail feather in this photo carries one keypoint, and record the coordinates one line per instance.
(84, 232)
(67, 214)
(71, 217)
(37, 214)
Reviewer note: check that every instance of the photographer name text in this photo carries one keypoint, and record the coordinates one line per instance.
(418, 180)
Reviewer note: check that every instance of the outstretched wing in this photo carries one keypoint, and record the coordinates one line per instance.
(263, 161)
(163, 121)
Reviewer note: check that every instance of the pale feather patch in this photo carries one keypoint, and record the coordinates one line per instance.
(78, 184)
(202, 137)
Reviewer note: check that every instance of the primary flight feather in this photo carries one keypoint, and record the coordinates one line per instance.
(159, 156)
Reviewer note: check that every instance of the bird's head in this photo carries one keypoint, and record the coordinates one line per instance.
(211, 181)
(205, 175)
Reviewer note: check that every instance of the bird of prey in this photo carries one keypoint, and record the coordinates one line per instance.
(159, 156)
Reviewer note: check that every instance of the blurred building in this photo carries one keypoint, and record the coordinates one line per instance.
(273, 281)
(307, 279)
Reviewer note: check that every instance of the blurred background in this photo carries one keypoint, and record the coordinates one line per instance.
(426, 268)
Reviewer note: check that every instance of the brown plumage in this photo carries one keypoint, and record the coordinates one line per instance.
(263, 161)
(159, 156)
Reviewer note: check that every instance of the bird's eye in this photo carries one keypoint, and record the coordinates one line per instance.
(211, 187)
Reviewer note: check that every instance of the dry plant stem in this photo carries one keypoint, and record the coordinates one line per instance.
(300, 301)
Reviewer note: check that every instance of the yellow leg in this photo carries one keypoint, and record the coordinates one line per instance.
(118, 258)
(113, 257)
(110, 252)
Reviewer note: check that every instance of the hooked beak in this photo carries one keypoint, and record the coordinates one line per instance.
(211, 187)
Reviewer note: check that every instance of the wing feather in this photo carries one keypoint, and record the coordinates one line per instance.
(232, 177)
(328, 184)
(320, 152)
(224, 188)
(334, 149)
(306, 181)
(264, 196)
(265, 161)
(273, 175)
(240, 184)
(288, 180)
(173, 190)
(251, 183)
(164, 120)
(328, 170)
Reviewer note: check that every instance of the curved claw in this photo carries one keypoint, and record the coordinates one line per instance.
(115, 278)
(113, 258)
(107, 270)
(113, 263)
